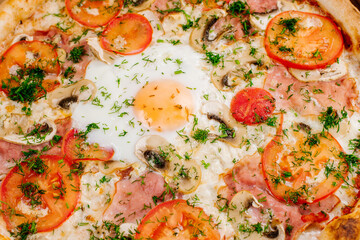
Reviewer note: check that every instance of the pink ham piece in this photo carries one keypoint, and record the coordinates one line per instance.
(262, 6)
(133, 199)
(225, 22)
(163, 5)
(309, 98)
(247, 175)
(63, 41)
(11, 151)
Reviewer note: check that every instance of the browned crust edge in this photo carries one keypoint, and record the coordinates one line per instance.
(347, 16)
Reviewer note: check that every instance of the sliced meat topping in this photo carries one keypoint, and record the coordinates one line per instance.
(262, 6)
(11, 151)
(312, 97)
(246, 175)
(73, 58)
(133, 199)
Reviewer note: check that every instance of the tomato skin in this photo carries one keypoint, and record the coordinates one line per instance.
(318, 217)
(132, 28)
(174, 213)
(89, 20)
(276, 159)
(60, 209)
(73, 150)
(252, 106)
(16, 55)
(307, 51)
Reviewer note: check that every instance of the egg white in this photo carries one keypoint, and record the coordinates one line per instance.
(118, 84)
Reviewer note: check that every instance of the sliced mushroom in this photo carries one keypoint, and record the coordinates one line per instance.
(230, 131)
(39, 133)
(61, 55)
(111, 166)
(239, 204)
(330, 73)
(99, 52)
(238, 66)
(204, 35)
(81, 91)
(344, 227)
(161, 156)
(239, 215)
(140, 5)
(231, 75)
(22, 37)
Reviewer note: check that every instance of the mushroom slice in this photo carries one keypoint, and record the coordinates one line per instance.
(205, 35)
(230, 131)
(330, 73)
(228, 77)
(99, 52)
(161, 156)
(22, 37)
(81, 91)
(39, 133)
(112, 166)
(344, 227)
(140, 5)
(61, 55)
(238, 66)
(239, 206)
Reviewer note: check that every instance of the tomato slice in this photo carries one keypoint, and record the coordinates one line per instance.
(252, 106)
(22, 201)
(303, 40)
(29, 57)
(93, 13)
(75, 147)
(315, 217)
(127, 35)
(305, 172)
(175, 219)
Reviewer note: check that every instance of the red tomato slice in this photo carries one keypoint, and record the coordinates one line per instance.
(93, 13)
(127, 35)
(75, 147)
(252, 106)
(318, 217)
(53, 206)
(176, 217)
(303, 40)
(29, 55)
(302, 172)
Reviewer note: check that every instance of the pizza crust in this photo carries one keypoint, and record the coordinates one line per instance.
(11, 13)
(347, 17)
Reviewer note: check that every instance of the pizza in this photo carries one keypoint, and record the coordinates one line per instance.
(179, 119)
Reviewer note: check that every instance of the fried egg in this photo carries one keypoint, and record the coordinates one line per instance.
(154, 92)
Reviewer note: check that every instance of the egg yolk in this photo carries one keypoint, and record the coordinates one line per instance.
(163, 105)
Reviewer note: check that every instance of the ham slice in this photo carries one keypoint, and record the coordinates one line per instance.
(247, 175)
(309, 98)
(63, 41)
(133, 199)
(11, 151)
(262, 6)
